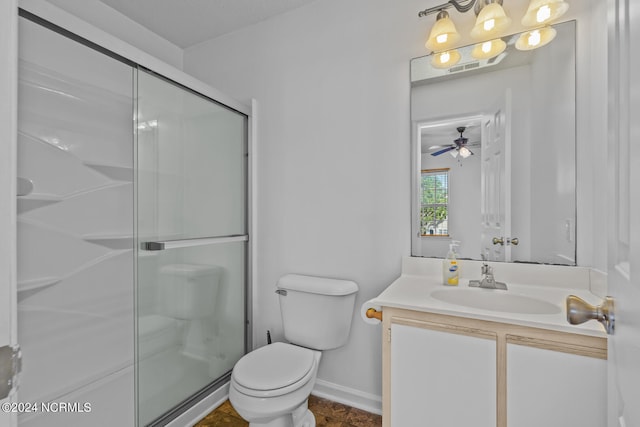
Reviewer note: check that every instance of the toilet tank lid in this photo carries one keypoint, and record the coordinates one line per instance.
(317, 285)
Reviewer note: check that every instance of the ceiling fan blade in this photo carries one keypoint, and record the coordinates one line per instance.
(444, 150)
(434, 147)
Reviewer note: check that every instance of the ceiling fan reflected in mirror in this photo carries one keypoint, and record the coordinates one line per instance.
(459, 147)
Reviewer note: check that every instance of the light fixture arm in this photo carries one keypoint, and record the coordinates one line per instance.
(461, 6)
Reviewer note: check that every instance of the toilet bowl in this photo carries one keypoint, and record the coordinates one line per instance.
(270, 386)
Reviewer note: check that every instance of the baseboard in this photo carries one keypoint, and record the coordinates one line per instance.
(325, 389)
(202, 408)
(348, 396)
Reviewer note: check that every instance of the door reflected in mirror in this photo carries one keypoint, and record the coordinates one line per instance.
(494, 154)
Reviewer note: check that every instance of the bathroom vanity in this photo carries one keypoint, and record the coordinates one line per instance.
(458, 356)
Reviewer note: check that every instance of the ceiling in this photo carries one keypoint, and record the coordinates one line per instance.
(188, 22)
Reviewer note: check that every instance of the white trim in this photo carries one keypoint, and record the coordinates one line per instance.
(87, 31)
(252, 198)
(203, 408)
(8, 166)
(348, 396)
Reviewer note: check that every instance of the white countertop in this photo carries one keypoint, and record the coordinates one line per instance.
(413, 292)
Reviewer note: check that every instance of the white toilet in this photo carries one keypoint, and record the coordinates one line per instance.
(270, 386)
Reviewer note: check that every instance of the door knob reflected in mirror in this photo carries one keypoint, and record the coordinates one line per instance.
(579, 311)
(510, 241)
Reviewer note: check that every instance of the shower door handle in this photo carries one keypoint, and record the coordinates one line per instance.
(186, 243)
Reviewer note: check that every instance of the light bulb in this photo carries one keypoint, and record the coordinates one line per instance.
(534, 38)
(464, 152)
(489, 24)
(491, 20)
(443, 34)
(543, 14)
(488, 49)
(445, 59)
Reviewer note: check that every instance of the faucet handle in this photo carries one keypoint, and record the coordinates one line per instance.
(485, 268)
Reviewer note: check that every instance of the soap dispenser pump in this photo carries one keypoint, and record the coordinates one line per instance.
(451, 266)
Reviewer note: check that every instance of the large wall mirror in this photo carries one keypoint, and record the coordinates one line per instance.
(494, 153)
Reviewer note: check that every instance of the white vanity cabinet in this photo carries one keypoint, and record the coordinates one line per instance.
(448, 371)
(442, 378)
(553, 388)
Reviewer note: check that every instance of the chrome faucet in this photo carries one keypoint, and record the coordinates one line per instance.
(488, 281)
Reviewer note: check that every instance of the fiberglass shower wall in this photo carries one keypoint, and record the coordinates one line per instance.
(75, 230)
(131, 236)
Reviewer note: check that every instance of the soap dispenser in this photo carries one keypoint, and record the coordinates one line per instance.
(451, 266)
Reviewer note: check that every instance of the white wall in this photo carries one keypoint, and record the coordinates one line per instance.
(332, 82)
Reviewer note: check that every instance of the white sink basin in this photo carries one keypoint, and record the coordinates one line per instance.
(487, 299)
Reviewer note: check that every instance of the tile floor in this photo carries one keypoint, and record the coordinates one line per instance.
(327, 413)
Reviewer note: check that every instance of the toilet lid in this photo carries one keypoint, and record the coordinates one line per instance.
(273, 366)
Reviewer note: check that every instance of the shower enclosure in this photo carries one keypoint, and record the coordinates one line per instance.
(132, 235)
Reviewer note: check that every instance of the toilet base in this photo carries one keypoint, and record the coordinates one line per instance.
(301, 417)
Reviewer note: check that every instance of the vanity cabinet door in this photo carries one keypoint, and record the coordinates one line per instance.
(442, 379)
(551, 388)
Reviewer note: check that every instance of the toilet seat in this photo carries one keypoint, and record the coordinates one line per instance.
(274, 370)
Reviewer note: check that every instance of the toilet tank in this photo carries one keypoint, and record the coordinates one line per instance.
(316, 311)
(188, 291)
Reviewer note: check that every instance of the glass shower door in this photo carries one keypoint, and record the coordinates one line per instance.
(192, 239)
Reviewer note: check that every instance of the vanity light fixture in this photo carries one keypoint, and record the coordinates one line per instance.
(491, 21)
(445, 59)
(534, 39)
(540, 12)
